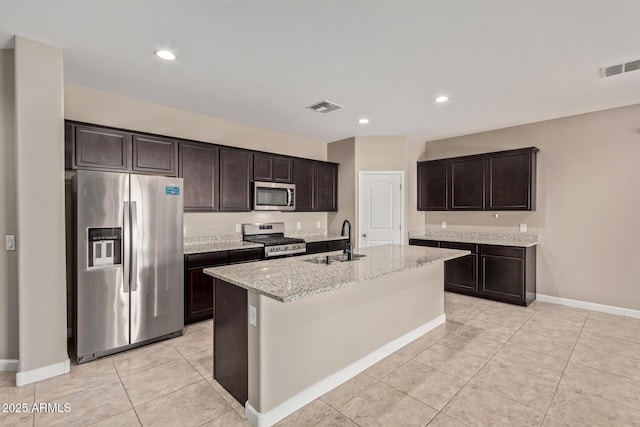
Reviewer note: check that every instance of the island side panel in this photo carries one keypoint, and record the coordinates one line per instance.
(230, 347)
(298, 344)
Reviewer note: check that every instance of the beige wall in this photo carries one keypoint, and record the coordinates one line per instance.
(375, 153)
(39, 137)
(343, 152)
(93, 106)
(8, 260)
(587, 202)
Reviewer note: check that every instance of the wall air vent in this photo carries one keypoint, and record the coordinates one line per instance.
(324, 106)
(621, 68)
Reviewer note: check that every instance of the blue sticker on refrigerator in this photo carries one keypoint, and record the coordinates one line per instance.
(172, 190)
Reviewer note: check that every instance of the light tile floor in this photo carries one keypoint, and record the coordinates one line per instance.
(491, 364)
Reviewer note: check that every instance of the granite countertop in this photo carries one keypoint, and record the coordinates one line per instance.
(322, 237)
(292, 278)
(198, 245)
(523, 240)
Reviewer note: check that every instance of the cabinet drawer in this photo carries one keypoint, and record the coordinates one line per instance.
(209, 259)
(505, 251)
(244, 255)
(337, 245)
(462, 246)
(422, 242)
(317, 247)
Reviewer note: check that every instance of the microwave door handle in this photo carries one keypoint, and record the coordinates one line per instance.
(289, 196)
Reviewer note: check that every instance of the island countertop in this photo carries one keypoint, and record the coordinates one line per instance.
(293, 278)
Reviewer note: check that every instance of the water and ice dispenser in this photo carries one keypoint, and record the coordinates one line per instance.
(105, 246)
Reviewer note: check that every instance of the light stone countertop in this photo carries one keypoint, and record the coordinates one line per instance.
(292, 278)
(322, 237)
(219, 246)
(523, 240)
(197, 245)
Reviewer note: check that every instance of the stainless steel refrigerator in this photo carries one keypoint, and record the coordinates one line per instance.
(128, 273)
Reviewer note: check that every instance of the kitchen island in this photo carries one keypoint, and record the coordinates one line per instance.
(287, 331)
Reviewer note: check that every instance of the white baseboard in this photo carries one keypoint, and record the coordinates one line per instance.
(620, 311)
(311, 393)
(8, 365)
(28, 377)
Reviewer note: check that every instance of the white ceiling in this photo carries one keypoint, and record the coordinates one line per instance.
(259, 62)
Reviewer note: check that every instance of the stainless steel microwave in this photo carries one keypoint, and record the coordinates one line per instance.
(273, 196)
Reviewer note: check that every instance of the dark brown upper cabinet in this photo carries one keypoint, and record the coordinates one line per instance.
(304, 177)
(235, 179)
(511, 180)
(327, 187)
(199, 168)
(154, 155)
(503, 180)
(432, 193)
(100, 149)
(267, 167)
(467, 184)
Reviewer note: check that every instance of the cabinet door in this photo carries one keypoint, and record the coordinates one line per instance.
(155, 155)
(282, 167)
(102, 149)
(466, 177)
(503, 278)
(198, 296)
(262, 167)
(510, 181)
(461, 274)
(432, 186)
(327, 187)
(235, 179)
(304, 177)
(199, 168)
(337, 245)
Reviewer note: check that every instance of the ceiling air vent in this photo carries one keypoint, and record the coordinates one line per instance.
(621, 68)
(324, 106)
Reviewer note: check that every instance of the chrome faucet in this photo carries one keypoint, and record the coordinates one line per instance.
(348, 250)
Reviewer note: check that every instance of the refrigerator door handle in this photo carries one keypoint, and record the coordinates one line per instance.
(134, 246)
(126, 245)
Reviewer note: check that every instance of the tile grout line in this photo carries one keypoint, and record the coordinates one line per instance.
(127, 393)
(555, 391)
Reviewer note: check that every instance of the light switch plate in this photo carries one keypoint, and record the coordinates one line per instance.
(10, 241)
(298, 225)
(443, 224)
(253, 315)
(238, 228)
(523, 228)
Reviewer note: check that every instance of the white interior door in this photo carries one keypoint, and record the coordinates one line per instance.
(380, 208)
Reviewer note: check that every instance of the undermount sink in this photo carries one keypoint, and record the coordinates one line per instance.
(339, 258)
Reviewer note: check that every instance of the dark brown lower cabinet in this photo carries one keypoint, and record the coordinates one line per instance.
(500, 273)
(326, 246)
(198, 287)
(230, 335)
(461, 274)
(508, 273)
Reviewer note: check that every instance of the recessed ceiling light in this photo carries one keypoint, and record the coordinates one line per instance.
(167, 55)
(442, 99)
(363, 121)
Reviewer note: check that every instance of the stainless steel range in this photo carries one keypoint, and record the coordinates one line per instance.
(271, 235)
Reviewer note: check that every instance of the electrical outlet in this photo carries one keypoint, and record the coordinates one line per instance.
(298, 225)
(443, 224)
(253, 315)
(523, 228)
(318, 225)
(10, 241)
(238, 228)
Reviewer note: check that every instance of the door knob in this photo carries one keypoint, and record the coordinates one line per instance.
(364, 235)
